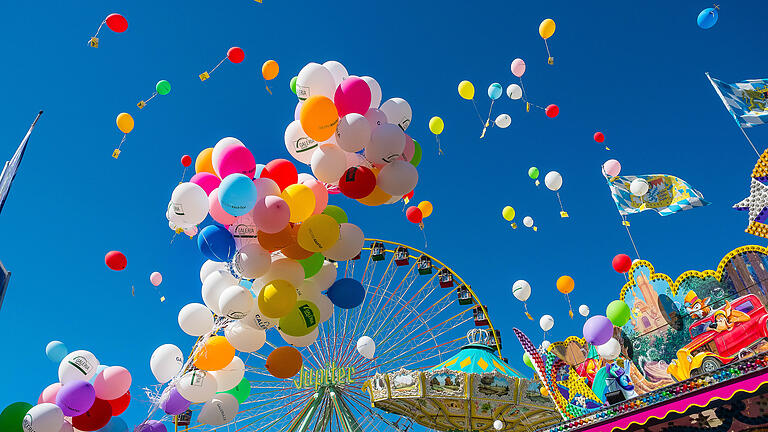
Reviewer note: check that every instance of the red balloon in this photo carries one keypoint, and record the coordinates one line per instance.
(414, 214)
(622, 263)
(115, 260)
(409, 195)
(120, 404)
(552, 111)
(186, 160)
(357, 182)
(117, 23)
(282, 171)
(95, 418)
(236, 54)
(599, 137)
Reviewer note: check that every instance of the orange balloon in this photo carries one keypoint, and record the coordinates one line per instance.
(565, 284)
(276, 241)
(319, 118)
(269, 69)
(216, 354)
(377, 197)
(284, 362)
(204, 163)
(293, 250)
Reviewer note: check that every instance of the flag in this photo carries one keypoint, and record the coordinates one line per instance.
(666, 195)
(4, 277)
(747, 101)
(11, 166)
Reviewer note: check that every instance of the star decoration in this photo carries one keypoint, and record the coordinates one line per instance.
(756, 202)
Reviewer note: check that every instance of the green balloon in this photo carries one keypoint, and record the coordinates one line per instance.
(312, 265)
(301, 320)
(240, 391)
(527, 360)
(13, 415)
(163, 87)
(618, 312)
(337, 213)
(416, 159)
(293, 84)
(533, 173)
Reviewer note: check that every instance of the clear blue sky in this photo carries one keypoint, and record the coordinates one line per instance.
(634, 71)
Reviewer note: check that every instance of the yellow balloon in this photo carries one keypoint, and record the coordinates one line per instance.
(125, 122)
(318, 233)
(301, 201)
(547, 28)
(426, 208)
(543, 390)
(301, 320)
(436, 125)
(508, 213)
(466, 90)
(277, 298)
(376, 198)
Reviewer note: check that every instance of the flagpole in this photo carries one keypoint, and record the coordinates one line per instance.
(722, 98)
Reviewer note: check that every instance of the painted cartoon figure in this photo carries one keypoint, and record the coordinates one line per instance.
(726, 317)
(617, 379)
(697, 308)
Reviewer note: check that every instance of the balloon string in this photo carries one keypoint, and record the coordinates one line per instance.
(421, 225)
(560, 201)
(217, 66)
(122, 141)
(479, 117)
(439, 149)
(99, 29)
(630, 238)
(547, 45)
(151, 97)
(525, 305)
(268, 90)
(183, 174)
(570, 308)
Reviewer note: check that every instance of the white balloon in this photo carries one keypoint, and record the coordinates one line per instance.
(256, 319)
(546, 322)
(235, 302)
(265, 187)
(190, 231)
(166, 362)
(299, 145)
(514, 91)
(326, 276)
(78, 365)
(375, 118)
(197, 386)
(350, 243)
(584, 310)
(398, 112)
(553, 180)
(398, 178)
(639, 187)
(244, 338)
(328, 163)
(355, 160)
(610, 350)
(45, 417)
(230, 375)
(521, 290)
(375, 90)
(498, 425)
(545, 344)
(324, 305)
(308, 290)
(195, 319)
(252, 261)
(366, 347)
(218, 411)
(386, 145)
(66, 427)
(528, 221)
(214, 285)
(503, 121)
(314, 80)
(209, 267)
(337, 70)
(218, 150)
(353, 132)
(301, 341)
(282, 268)
(189, 204)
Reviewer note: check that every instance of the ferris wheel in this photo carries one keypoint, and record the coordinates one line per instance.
(416, 312)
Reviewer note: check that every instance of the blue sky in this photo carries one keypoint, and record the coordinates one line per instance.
(632, 71)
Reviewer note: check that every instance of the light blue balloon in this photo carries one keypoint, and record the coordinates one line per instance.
(237, 194)
(495, 91)
(56, 351)
(707, 18)
(116, 424)
(259, 169)
(100, 368)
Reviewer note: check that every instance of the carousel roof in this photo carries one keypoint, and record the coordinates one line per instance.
(477, 358)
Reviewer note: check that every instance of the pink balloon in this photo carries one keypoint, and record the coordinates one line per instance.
(321, 193)
(271, 214)
(410, 149)
(375, 117)
(217, 213)
(518, 67)
(297, 110)
(612, 167)
(237, 159)
(207, 181)
(49, 394)
(156, 278)
(352, 96)
(265, 187)
(112, 383)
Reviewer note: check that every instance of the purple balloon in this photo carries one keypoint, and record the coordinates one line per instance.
(598, 330)
(75, 398)
(151, 426)
(172, 402)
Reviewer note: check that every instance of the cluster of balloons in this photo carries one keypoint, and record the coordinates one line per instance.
(508, 213)
(234, 55)
(417, 214)
(495, 90)
(115, 22)
(352, 143)
(599, 329)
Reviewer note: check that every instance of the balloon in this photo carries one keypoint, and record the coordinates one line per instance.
(527, 360)
(45, 417)
(115, 260)
(521, 290)
(236, 159)
(528, 221)
(196, 386)
(195, 319)
(277, 298)
(518, 68)
(151, 426)
(707, 18)
(235, 302)
(229, 376)
(618, 312)
(426, 208)
(293, 84)
(13, 415)
(75, 398)
(498, 425)
(284, 362)
(117, 23)
(547, 28)
(386, 145)
(203, 162)
(375, 88)
(494, 91)
(49, 393)
(612, 167)
(565, 284)
(553, 180)
(398, 178)
(163, 87)
(115, 424)
(120, 404)
(206, 180)
(277, 241)
(315, 80)
(112, 382)
(166, 361)
(244, 338)
(237, 194)
(503, 121)
(598, 330)
(56, 350)
(269, 70)
(328, 163)
(300, 200)
(410, 149)
(217, 213)
(219, 410)
(236, 54)
(584, 310)
(271, 214)
(639, 187)
(124, 123)
(293, 250)
(546, 322)
(95, 418)
(214, 355)
(251, 261)
(241, 391)
(173, 403)
(299, 145)
(216, 243)
(337, 70)
(189, 204)
(218, 151)
(282, 171)
(366, 347)
(318, 233)
(375, 118)
(622, 263)
(533, 173)
(312, 264)
(301, 319)
(209, 267)
(326, 276)
(349, 245)
(77, 365)
(301, 341)
(352, 96)
(514, 92)
(610, 350)
(266, 187)
(336, 213)
(414, 215)
(353, 132)
(398, 112)
(552, 111)
(599, 137)
(377, 197)
(214, 285)
(466, 90)
(436, 125)
(257, 320)
(155, 279)
(346, 293)
(283, 268)
(508, 213)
